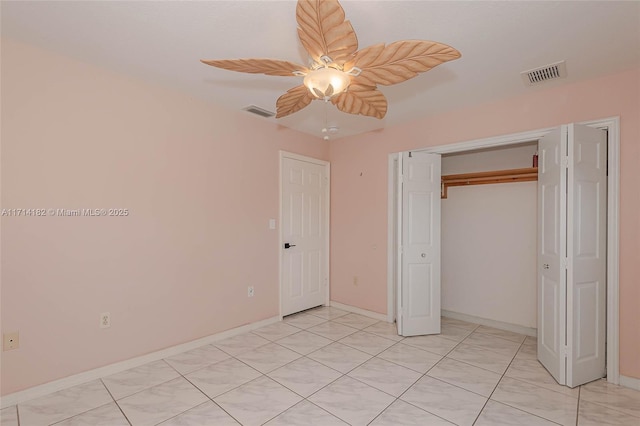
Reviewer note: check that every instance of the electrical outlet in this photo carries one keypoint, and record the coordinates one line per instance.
(355, 280)
(10, 341)
(105, 320)
(250, 291)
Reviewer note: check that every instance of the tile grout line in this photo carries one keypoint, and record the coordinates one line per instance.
(267, 376)
(305, 356)
(180, 375)
(578, 405)
(605, 405)
(508, 405)
(116, 402)
(330, 413)
(475, 366)
(231, 356)
(144, 389)
(275, 342)
(210, 399)
(342, 374)
(184, 376)
(498, 382)
(459, 387)
(323, 387)
(82, 412)
(425, 375)
(397, 398)
(207, 396)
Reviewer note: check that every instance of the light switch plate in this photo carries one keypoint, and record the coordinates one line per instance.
(272, 224)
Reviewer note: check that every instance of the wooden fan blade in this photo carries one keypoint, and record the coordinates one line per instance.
(399, 61)
(293, 101)
(323, 30)
(258, 66)
(360, 99)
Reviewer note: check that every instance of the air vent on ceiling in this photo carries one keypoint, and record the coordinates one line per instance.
(259, 111)
(546, 73)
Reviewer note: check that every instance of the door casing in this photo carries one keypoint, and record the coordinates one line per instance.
(327, 165)
(612, 125)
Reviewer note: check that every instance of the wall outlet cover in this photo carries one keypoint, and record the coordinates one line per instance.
(105, 320)
(10, 341)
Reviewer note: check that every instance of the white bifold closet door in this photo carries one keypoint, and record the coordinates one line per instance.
(419, 289)
(572, 209)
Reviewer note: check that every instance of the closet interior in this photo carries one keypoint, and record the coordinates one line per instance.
(489, 234)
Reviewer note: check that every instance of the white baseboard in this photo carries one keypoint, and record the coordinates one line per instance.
(630, 382)
(97, 373)
(491, 323)
(349, 308)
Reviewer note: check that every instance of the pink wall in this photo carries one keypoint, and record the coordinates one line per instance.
(200, 184)
(359, 186)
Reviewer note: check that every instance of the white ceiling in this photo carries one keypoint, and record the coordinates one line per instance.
(163, 41)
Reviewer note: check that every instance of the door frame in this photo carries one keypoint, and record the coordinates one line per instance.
(612, 126)
(326, 225)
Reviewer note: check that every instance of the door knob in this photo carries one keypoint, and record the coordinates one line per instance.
(287, 245)
(424, 255)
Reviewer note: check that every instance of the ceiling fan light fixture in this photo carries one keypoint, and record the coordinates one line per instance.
(325, 82)
(338, 71)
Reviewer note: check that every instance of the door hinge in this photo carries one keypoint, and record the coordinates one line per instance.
(565, 162)
(565, 263)
(565, 351)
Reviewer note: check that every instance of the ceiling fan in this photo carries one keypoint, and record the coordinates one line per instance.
(339, 72)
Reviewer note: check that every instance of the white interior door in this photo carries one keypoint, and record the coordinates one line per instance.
(420, 271)
(572, 253)
(586, 248)
(304, 231)
(552, 230)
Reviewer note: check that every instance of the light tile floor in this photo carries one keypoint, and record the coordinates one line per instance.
(329, 367)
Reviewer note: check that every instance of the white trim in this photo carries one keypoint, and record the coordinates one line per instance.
(612, 125)
(613, 245)
(286, 154)
(497, 141)
(390, 270)
(391, 211)
(397, 246)
(520, 329)
(97, 373)
(328, 239)
(630, 382)
(364, 312)
(327, 165)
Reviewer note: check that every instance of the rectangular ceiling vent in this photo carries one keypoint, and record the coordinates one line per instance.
(259, 111)
(546, 73)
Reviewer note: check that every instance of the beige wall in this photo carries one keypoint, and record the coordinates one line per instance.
(200, 184)
(489, 240)
(359, 185)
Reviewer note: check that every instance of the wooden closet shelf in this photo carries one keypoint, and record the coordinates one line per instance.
(483, 178)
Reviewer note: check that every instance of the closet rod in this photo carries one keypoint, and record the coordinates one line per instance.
(483, 178)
